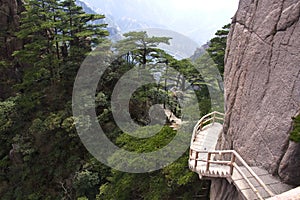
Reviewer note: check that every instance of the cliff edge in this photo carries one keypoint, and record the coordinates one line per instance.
(262, 86)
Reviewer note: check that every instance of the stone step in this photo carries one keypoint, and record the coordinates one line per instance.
(293, 194)
(206, 140)
(273, 183)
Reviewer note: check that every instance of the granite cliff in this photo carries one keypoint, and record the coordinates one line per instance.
(10, 11)
(9, 23)
(262, 87)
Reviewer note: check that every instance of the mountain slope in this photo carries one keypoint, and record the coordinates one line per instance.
(196, 19)
(113, 29)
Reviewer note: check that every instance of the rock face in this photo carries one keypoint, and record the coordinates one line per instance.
(9, 22)
(220, 189)
(262, 86)
(10, 11)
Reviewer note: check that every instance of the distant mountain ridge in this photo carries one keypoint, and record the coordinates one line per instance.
(112, 27)
(117, 25)
(125, 24)
(192, 18)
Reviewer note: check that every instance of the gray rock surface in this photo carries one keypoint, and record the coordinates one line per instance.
(289, 168)
(262, 85)
(10, 11)
(9, 22)
(290, 195)
(222, 189)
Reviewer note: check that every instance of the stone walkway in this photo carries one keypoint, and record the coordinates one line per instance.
(205, 141)
(273, 183)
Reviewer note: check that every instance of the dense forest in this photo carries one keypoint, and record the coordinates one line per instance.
(41, 155)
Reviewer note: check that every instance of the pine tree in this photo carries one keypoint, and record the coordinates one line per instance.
(57, 37)
(58, 32)
(140, 47)
(217, 47)
(295, 134)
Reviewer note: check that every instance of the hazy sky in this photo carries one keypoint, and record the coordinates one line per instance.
(198, 19)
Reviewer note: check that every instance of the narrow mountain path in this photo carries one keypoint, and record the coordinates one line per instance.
(175, 121)
(252, 182)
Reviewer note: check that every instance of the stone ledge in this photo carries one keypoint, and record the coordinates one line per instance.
(293, 194)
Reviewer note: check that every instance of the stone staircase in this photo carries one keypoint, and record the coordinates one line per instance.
(175, 121)
(271, 182)
(252, 182)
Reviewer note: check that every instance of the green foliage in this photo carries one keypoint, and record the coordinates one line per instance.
(134, 186)
(41, 155)
(40, 150)
(139, 47)
(82, 198)
(174, 181)
(168, 183)
(217, 47)
(211, 66)
(191, 78)
(57, 32)
(6, 109)
(214, 83)
(9, 77)
(162, 138)
(85, 182)
(295, 134)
